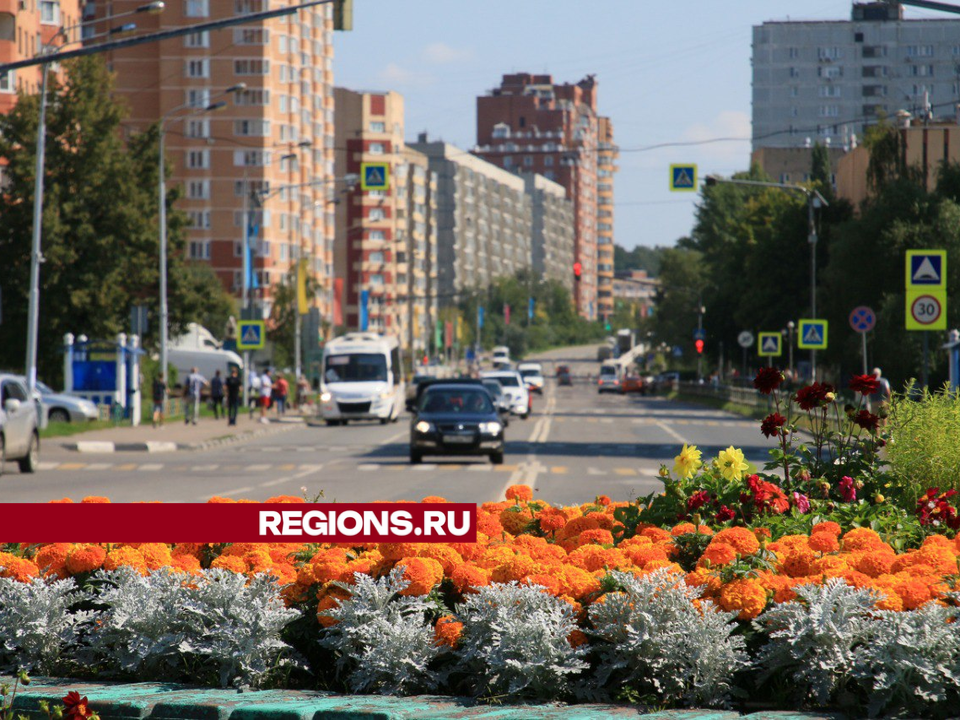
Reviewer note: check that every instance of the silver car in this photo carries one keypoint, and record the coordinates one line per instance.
(19, 437)
(66, 408)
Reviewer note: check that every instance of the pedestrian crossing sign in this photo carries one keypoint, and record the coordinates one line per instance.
(926, 269)
(250, 335)
(375, 176)
(812, 335)
(683, 177)
(770, 344)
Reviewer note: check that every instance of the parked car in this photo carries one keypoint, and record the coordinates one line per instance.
(59, 407)
(19, 422)
(456, 419)
(500, 400)
(632, 384)
(532, 374)
(515, 388)
(609, 379)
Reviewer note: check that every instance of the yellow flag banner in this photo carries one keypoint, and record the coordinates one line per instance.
(302, 306)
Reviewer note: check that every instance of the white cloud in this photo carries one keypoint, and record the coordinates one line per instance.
(725, 124)
(393, 75)
(439, 53)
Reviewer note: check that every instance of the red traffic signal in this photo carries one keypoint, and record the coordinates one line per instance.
(577, 270)
(698, 344)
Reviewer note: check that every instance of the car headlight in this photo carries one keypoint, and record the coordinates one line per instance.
(386, 394)
(490, 428)
(423, 426)
(325, 397)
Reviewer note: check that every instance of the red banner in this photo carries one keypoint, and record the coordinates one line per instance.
(448, 334)
(337, 302)
(506, 314)
(237, 522)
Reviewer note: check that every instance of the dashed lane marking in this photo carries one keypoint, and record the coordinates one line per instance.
(368, 467)
(150, 467)
(99, 466)
(126, 467)
(558, 470)
(625, 471)
(72, 466)
(425, 466)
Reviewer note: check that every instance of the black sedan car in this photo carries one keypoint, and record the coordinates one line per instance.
(456, 419)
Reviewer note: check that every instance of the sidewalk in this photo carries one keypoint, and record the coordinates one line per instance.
(176, 435)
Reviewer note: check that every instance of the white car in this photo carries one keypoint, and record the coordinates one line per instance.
(19, 436)
(59, 407)
(532, 374)
(514, 388)
(501, 354)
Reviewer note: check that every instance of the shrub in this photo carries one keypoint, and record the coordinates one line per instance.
(924, 447)
(656, 640)
(39, 629)
(383, 640)
(516, 641)
(814, 640)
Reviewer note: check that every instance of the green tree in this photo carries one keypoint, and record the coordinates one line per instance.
(641, 257)
(683, 277)
(283, 317)
(820, 171)
(100, 236)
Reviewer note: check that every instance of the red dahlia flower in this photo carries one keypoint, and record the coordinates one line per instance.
(725, 514)
(75, 707)
(864, 384)
(867, 420)
(771, 424)
(848, 489)
(814, 396)
(768, 380)
(697, 500)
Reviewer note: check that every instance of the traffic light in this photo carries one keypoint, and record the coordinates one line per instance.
(698, 344)
(577, 270)
(343, 14)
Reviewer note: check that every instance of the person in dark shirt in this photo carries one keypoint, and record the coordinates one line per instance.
(216, 395)
(233, 384)
(159, 396)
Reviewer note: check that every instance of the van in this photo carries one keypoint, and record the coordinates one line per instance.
(362, 379)
(609, 379)
(206, 361)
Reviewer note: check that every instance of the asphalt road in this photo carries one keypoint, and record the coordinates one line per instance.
(577, 445)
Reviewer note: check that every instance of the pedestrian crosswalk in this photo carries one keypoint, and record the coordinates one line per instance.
(364, 468)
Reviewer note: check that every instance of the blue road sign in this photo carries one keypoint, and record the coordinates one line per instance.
(925, 269)
(677, 351)
(683, 177)
(862, 319)
(812, 335)
(375, 176)
(699, 334)
(250, 334)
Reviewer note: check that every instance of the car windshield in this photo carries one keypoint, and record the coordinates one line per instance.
(494, 387)
(508, 381)
(356, 368)
(608, 371)
(440, 400)
(528, 372)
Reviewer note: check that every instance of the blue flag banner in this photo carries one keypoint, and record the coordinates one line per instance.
(252, 230)
(480, 316)
(530, 308)
(364, 312)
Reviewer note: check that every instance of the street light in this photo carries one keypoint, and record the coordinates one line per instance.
(162, 199)
(36, 257)
(814, 202)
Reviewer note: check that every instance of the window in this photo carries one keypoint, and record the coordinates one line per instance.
(858, 37)
(508, 161)
(874, 90)
(257, 186)
(376, 279)
(376, 258)
(199, 68)
(376, 235)
(376, 193)
(197, 8)
(197, 40)
(874, 51)
(828, 91)
(252, 96)
(794, 72)
(829, 53)
(921, 70)
(528, 161)
(199, 219)
(548, 161)
(378, 127)
(830, 72)
(251, 66)
(251, 158)
(244, 7)
(199, 249)
(920, 51)
(251, 36)
(920, 90)
(198, 159)
(50, 12)
(251, 128)
(794, 53)
(199, 98)
(376, 214)
(198, 128)
(8, 82)
(198, 189)
(875, 71)
(376, 148)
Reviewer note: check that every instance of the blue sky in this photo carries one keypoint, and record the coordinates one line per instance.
(669, 72)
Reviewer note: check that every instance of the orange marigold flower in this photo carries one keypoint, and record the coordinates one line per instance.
(683, 529)
(516, 568)
(489, 524)
(941, 558)
(186, 563)
(861, 539)
(604, 521)
(829, 527)
(636, 541)
(423, 573)
(515, 522)
(657, 535)
(156, 555)
(330, 598)
(552, 520)
(468, 577)
(434, 499)
(258, 560)
(125, 556)
(824, 542)
(904, 561)
(85, 558)
(523, 493)
(231, 563)
(578, 583)
(281, 552)
(286, 500)
(62, 501)
(285, 573)
(889, 600)
(329, 571)
(798, 562)
(219, 500)
(447, 631)
(395, 551)
(913, 593)
(746, 595)
(875, 563)
(640, 556)
(597, 536)
(91, 499)
(830, 565)
(717, 553)
(576, 638)
(552, 583)
(19, 569)
(742, 540)
(195, 549)
(471, 551)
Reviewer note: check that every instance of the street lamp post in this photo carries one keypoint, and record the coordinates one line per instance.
(815, 201)
(36, 256)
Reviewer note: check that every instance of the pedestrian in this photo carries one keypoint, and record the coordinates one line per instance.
(216, 395)
(883, 393)
(233, 384)
(193, 387)
(159, 398)
(255, 386)
(303, 389)
(282, 389)
(266, 388)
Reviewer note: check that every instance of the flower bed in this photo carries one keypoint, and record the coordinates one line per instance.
(802, 585)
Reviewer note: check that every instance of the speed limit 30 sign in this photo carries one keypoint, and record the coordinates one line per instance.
(926, 310)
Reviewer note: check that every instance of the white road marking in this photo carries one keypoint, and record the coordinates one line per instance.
(98, 466)
(149, 467)
(673, 433)
(367, 467)
(204, 468)
(228, 493)
(594, 471)
(425, 466)
(290, 478)
(257, 468)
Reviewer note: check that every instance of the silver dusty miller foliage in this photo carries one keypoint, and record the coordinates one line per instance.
(654, 639)
(515, 641)
(37, 629)
(219, 622)
(383, 640)
(814, 639)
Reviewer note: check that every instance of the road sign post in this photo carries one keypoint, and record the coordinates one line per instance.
(745, 340)
(769, 345)
(812, 335)
(863, 320)
(251, 335)
(926, 296)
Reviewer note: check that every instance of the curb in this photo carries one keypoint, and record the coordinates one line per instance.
(161, 446)
(167, 701)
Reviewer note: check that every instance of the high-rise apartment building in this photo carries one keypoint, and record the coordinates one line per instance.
(607, 153)
(827, 81)
(371, 256)
(420, 255)
(26, 26)
(274, 137)
(484, 220)
(551, 230)
(531, 124)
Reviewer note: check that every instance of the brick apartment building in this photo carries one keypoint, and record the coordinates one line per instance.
(276, 133)
(531, 124)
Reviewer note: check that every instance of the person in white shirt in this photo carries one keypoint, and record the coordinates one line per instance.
(266, 388)
(254, 399)
(193, 388)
